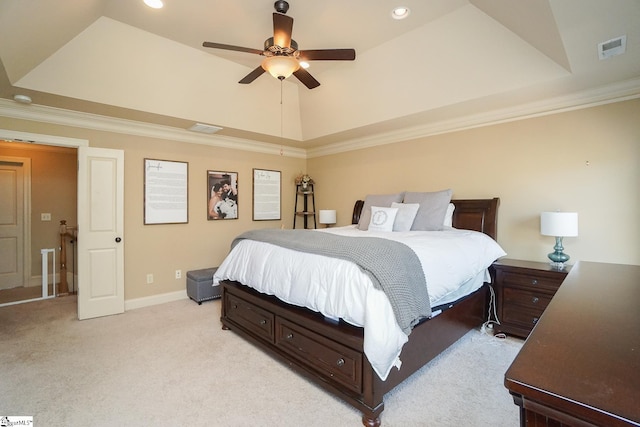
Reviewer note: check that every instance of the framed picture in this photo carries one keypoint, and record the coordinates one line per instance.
(222, 195)
(266, 195)
(166, 195)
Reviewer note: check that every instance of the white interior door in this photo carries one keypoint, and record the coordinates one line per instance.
(12, 223)
(100, 232)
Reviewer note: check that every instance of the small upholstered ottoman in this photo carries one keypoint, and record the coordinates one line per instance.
(200, 285)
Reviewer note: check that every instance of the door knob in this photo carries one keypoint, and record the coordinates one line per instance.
(118, 240)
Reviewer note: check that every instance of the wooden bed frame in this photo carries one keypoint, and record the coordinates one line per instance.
(331, 353)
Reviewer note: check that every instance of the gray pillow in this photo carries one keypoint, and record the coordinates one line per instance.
(433, 208)
(381, 200)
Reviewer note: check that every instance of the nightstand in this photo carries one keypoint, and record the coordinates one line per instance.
(523, 291)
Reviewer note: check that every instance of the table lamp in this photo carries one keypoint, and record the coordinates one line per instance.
(559, 225)
(327, 217)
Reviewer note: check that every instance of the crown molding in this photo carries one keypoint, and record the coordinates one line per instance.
(618, 92)
(59, 116)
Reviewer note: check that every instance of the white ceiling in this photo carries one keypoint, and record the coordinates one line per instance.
(450, 61)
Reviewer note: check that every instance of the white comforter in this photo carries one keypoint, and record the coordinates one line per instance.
(451, 259)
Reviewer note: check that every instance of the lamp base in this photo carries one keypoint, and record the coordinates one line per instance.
(559, 266)
(558, 258)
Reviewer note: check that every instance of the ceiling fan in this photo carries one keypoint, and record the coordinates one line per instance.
(282, 57)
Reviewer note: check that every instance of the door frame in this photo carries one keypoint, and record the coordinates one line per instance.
(41, 139)
(26, 214)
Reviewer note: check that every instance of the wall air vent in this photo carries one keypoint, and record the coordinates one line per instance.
(199, 127)
(612, 47)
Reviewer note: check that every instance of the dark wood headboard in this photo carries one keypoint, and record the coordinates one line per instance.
(472, 214)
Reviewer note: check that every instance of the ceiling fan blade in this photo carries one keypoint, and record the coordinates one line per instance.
(282, 28)
(252, 75)
(230, 47)
(306, 78)
(328, 55)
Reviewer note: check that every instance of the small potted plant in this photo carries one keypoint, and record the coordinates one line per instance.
(304, 180)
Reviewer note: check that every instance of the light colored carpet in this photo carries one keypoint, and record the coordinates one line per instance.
(171, 364)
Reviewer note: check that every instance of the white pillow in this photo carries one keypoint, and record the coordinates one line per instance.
(382, 219)
(448, 217)
(406, 214)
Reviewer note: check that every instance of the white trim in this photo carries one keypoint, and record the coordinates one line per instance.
(41, 113)
(618, 92)
(132, 304)
(37, 138)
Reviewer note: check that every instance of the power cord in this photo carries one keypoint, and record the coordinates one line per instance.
(488, 326)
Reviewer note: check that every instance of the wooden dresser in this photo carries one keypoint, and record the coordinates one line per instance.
(581, 364)
(523, 290)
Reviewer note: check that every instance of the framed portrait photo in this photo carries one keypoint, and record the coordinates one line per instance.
(222, 195)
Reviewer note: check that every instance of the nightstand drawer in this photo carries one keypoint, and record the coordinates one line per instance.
(519, 316)
(526, 298)
(253, 318)
(531, 281)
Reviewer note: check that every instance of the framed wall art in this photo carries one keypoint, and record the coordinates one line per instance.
(222, 195)
(266, 195)
(166, 195)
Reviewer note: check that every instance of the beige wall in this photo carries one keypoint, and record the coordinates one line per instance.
(162, 249)
(532, 165)
(586, 161)
(53, 190)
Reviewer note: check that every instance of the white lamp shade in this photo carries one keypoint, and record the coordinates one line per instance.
(280, 66)
(559, 224)
(327, 216)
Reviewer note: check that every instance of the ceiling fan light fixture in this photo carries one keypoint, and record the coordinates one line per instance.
(280, 66)
(155, 4)
(400, 12)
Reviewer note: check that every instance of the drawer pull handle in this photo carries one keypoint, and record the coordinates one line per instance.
(340, 362)
(263, 322)
(535, 300)
(535, 320)
(534, 281)
(234, 306)
(289, 336)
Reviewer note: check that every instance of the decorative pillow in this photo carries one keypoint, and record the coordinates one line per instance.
(382, 219)
(448, 217)
(406, 214)
(433, 208)
(382, 200)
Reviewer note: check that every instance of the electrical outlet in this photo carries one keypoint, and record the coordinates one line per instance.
(149, 278)
(178, 274)
(45, 217)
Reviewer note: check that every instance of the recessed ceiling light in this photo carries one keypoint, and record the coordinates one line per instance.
(304, 64)
(400, 12)
(156, 4)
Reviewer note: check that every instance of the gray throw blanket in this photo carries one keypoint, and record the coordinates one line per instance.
(392, 266)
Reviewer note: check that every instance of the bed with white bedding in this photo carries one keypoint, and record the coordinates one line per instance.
(327, 319)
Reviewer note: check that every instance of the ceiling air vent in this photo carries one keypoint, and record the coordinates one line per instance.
(612, 47)
(199, 127)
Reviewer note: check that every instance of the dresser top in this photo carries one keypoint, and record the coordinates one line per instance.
(583, 356)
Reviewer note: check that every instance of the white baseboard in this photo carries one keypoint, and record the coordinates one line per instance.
(132, 304)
